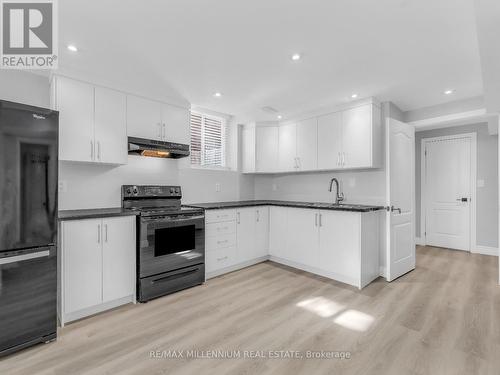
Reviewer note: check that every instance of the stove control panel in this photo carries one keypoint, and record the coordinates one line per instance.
(153, 191)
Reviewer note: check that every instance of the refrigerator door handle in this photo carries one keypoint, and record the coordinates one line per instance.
(20, 258)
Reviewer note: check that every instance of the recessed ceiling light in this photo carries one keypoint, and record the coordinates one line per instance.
(354, 96)
(296, 56)
(279, 117)
(217, 94)
(448, 92)
(72, 48)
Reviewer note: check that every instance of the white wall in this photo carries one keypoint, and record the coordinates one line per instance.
(23, 87)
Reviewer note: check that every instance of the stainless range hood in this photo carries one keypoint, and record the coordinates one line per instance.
(157, 149)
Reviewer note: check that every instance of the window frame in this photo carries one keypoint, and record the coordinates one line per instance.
(224, 140)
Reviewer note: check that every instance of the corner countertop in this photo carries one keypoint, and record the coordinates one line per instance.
(94, 213)
(313, 205)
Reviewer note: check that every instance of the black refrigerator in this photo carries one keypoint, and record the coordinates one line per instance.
(28, 225)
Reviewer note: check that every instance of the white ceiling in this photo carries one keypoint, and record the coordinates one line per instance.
(405, 51)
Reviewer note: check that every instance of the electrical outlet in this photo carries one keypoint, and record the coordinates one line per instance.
(217, 187)
(63, 186)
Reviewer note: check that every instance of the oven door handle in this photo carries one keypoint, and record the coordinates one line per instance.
(174, 276)
(172, 220)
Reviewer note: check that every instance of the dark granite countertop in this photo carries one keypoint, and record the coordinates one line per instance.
(94, 213)
(314, 205)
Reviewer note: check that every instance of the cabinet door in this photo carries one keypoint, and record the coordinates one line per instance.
(110, 126)
(287, 148)
(339, 244)
(267, 148)
(278, 221)
(144, 118)
(118, 257)
(75, 103)
(82, 264)
(245, 233)
(261, 231)
(248, 150)
(357, 137)
(302, 236)
(307, 144)
(175, 124)
(330, 141)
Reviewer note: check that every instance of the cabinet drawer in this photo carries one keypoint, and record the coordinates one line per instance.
(217, 229)
(218, 259)
(220, 242)
(214, 216)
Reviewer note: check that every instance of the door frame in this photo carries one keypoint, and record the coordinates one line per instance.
(473, 179)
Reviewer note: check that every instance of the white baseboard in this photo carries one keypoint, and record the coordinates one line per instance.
(485, 250)
(419, 241)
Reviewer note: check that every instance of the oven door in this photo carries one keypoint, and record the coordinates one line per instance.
(170, 243)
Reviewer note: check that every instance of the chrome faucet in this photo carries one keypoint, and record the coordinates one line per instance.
(339, 196)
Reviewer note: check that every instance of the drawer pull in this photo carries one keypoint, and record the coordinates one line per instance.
(220, 259)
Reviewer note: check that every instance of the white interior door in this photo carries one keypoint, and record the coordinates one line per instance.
(400, 154)
(448, 192)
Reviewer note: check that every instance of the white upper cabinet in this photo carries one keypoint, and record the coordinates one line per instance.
(266, 148)
(110, 126)
(287, 150)
(360, 127)
(307, 145)
(248, 150)
(330, 141)
(92, 125)
(346, 139)
(144, 118)
(175, 122)
(75, 102)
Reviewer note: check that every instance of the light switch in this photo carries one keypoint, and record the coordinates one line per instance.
(480, 183)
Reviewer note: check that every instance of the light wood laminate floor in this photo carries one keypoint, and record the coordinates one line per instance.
(442, 318)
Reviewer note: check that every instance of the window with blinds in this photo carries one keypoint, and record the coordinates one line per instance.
(208, 141)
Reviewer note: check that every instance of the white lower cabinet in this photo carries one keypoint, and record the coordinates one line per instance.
(98, 265)
(278, 223)
(235, 238)
(302, 236)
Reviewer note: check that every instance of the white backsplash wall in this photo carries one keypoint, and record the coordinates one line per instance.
(363, 187)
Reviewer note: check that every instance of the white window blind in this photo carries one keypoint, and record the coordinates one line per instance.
(208, 140)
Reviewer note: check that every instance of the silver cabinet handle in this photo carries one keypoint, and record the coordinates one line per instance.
(221, 242)
(343, 158)
(238, 218)
(395, 209)
(20, 258)
(91, 150)
(338, 159)
(164, 131)
(98, 150)
(320, 220)
(106, 232)
(159, 130)
(315, 220)
(98, 233)
(258, 215)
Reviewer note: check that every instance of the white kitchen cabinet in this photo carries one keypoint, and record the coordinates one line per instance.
(151, 119)
(175, 121)
(92, 124)
(302, 236)
(248, 150)
(144, 118)
(307, 144)
(82, 267)
(261, 248)
(330, 141)
(98, 266)
(360, 130)
(245, 233)
(118, 258)
(110, 126)
(75, 102)
(266, 148)
(278, 223)
(287, 148)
